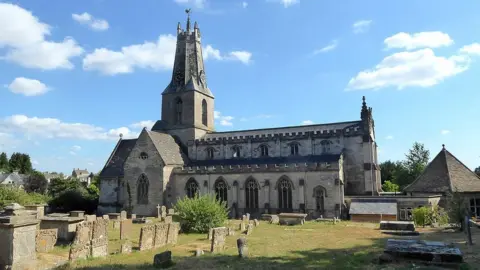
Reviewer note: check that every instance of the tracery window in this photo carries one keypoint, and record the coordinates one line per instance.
(210, 153)
(319, 193)
(264, 150)
(294, 149)
(204, 113)
(221, 190)
(191, 188)
(142, 189)
(178, 111)
(251, 194)
(236, 151)
(285, 195)
(326, 146)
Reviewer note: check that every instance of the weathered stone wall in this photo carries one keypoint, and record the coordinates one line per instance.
(108, 199)
(152, 167)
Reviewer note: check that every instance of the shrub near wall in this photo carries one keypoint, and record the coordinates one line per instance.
(15, 195)
(424, 216)
(199, 214)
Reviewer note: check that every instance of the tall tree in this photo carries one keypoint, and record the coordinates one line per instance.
(417, 158)
(477, 170)
(14, 162)
(387, 170)
(4, 162)
(36, 182)
(25, 164)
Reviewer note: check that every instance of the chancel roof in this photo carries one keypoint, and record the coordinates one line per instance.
(445, 173)
(168, 148)
(114, 166)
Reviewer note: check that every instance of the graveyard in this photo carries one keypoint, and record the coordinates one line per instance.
(344, 245)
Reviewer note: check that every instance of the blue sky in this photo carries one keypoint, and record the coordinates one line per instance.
(74, 74)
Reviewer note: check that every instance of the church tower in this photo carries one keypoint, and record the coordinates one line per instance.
(187, 102)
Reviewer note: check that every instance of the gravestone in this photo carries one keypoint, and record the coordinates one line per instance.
(292, 218)
(125, 228)
(90, 218)
(77, 213)
(147, 234)
(198, 252)
(159, 211)
(256, 222)
(83, 234)
(161, 234)
(123, 215)
(242, 227)
(210, 233)
(163, 260)
(248, 217)
(397, 226)
(126, 247)
(423, 251)
(173, 229)
(218, 239)
(45, 240)
(133, 216)
(249, 229)
(164, 211)
(105, 217)
(99, 247)
(274, 219)
(79, 252)
(244, 219)
(231, 231)
(242, 247)
(100, 229)
(171, 211)
(167, 219)
(116, 224)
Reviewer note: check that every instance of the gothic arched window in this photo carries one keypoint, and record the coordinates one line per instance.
(142, 189)
(325, 146)
(178, 111)
(191, 188)
(210, 153)
(221, 190)
(294, 149)
(251, 194)
(319, 193)
(285, 194)
(264, 150)
(236, 151)
(204, 113)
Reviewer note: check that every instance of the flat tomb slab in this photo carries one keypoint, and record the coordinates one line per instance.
(397, 226)
(430, 251)
(292, 218)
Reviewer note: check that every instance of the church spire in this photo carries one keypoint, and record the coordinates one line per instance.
(188, 19)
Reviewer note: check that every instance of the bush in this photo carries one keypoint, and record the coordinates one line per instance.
(424, 216)
(75, 199)
(201, 213)
(15, 195)
(421, 216)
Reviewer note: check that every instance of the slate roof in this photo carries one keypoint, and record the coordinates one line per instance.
(373, 207)
(114, 166)
(168, 148)
(12, 179)
(444, 174)
(268, 160)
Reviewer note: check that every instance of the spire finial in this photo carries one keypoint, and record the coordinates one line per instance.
(188, 10)
(121, 136)
(443, 146)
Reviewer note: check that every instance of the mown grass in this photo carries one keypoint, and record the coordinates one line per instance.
(311, 246)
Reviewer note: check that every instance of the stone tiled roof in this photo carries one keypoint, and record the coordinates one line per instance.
(445, 173)
(168, 148)
(268, 160)
(12, 179)
(114, 166)
(373, 207)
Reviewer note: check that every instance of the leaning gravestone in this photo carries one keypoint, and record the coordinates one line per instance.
(249, 229)
(45, 240)
(218, 239)
(161, 234)
(173, 229)
(163, 260)
(242, 247)
(147, 234)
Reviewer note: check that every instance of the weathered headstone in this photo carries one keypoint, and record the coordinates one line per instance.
(116, 224)
(105, 217)
(242, 247)
(159, 211)
(242, 227)
(133, 216)
(164, 211)
(218, 239)
(100, 229)
(83, 234)
(147, 235)
(248, 217)
(45, 240)
(256, 222)
(126, 247)
(198, 252)
(244, 218)
(231, 231)
(161, 234)
(167, 219)
(79, 251)
(173, 229)
(274, 219)
(163, 260)
(123, 215)
(210, 233)
(171, 211)
(249, 229)
(90, 218)
(125, 228)
(99, 247)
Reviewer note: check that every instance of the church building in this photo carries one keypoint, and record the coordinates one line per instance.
(308, 168)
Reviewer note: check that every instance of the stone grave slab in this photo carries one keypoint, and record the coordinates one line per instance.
(292, 218)
(428, 251)
(397, 226)
(163, 260)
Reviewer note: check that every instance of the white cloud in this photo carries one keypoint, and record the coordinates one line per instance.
(195, 3)
(158, 55)
(333, 44)
(72, 153)
(27, 87)
(445, 132)
(361, 26)
(92, 22)
(307, 122)
(146, 123)
(389, 137)
(286, 3)
(418, 68)
(54, 128)
(35, 162)
(473, 49)
(408, 41)
(90, 163)
(24, 37)
(224, 120)
(244, 4)
(76, 148)
(243, 119)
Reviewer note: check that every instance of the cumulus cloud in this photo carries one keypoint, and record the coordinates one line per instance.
(211, 53)
(389, 137)
(76, 148)
(195, 3)
(50, 128)
(244, 4)
(472, 49)
(333, 44)
(408, 41)
(27, 87)
(361, 26)
(92, 22)
(410, 68)
(146, 123)
(222, 119)
(307, 122)
(445, 132)
(24, 38)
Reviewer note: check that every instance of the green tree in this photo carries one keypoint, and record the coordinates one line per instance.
(390, 187)
(477, 170)
(387, 170)
(36, 182)
(4, 162)
(417, 159)
(20, 162)
(59, 185)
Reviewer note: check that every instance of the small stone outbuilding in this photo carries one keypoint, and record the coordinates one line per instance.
(373, 210)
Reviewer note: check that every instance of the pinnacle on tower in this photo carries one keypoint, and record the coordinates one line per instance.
(188, 10)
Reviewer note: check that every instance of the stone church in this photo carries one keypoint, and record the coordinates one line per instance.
(307, 168)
